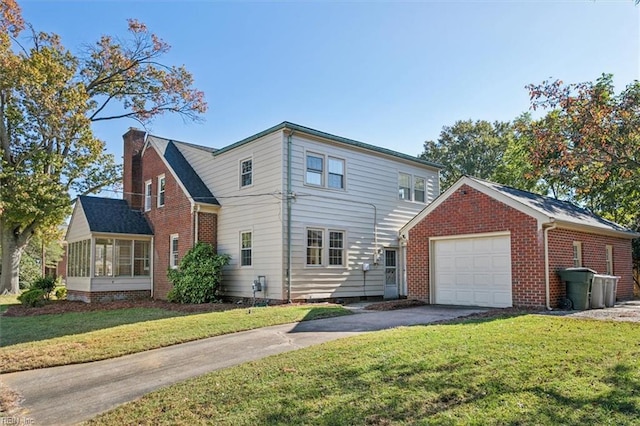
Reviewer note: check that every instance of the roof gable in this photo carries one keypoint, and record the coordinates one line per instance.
(182, 170)
(113, 216)
(545, 210)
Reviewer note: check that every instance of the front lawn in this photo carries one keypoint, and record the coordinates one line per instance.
(525, 370)
(49, 340)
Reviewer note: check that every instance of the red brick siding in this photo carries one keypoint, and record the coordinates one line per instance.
(175, 217)
(107, 296)
(131, 176)
(207, 228)
(468, 211)
(593, 257)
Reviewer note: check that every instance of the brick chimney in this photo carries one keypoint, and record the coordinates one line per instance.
(132, 173)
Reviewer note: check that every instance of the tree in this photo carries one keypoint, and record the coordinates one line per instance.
(589, 144)
(48, 99)
(494, 151)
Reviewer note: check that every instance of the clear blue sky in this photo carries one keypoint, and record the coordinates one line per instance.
(386, 73)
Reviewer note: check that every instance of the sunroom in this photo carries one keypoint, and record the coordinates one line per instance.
(109, 250)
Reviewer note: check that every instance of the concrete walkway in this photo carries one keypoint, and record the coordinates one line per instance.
(74, 393)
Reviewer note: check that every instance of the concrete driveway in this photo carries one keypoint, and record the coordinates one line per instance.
(74, 393)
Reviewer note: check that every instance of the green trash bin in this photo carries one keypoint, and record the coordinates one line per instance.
(578, 286)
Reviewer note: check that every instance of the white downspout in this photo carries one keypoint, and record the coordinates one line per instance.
(196, 210)
(546, 263)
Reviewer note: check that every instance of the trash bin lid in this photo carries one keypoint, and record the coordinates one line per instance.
(578, 269)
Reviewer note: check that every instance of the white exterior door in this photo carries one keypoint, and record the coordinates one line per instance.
(474, 271)
(391, 271)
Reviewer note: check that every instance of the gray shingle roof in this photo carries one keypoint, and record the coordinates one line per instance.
(113, 216)
(561, 211)
(194, 185)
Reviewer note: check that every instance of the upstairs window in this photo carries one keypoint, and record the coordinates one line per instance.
(246, 173)
(315, 169)
(336, 173)
(161, 183)
(147, 196)
(404, 186)
(246, 248)
(419, 188)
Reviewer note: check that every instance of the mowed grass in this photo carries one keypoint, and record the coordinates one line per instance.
(50, 340)
(526, 370)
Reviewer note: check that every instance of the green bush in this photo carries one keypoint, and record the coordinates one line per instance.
(197, 280)
(46, 284)
(61, 293)
(32, 298)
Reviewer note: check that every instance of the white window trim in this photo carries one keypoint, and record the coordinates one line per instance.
(326, 247)
(324, 177)
(412, 188)
(410, 192)
(173, 260)
(240, 172)
(246, 231)
(608, 249)
(577, 254)
(148, 195)
(161, 190)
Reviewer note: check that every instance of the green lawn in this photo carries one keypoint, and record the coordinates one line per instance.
(6, 300)
(524, 370)
(49, 340)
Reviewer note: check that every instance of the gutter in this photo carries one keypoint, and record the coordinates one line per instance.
(289, 196)
(551, 225)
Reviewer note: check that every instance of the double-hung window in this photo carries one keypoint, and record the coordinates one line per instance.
(419, 188)
(577, 254)
(246, 173)
(173, 251)
(336, 248)
(315, 169)
(336, 173)
(404, 186)
(246, 248)
(161, 183)
(608, 259)
(148, 194)
(314, 247)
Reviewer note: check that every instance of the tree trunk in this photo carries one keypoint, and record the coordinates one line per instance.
(11, 255)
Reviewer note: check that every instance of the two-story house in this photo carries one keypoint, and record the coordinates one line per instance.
(309, 214)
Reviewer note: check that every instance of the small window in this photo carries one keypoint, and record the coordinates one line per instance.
(336, 248)
(161, 183)
(577, 254)
(314, 247)
(147, 196)
(315, 169)
(609, 259)
(419, 190)
(246, 246)
(336, 173)
(173, 255)
(246, 173)
(404, 186)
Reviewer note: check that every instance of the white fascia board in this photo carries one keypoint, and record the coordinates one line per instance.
(572, 226)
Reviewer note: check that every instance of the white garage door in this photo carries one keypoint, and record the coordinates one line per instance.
(473, 271)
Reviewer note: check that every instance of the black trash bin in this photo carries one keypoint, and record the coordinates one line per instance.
(578, 282)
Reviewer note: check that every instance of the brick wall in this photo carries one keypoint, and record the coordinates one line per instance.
(468, 211)
(131, 176)
(593, 257)
(175, 217)
(107, 296)
(207, 228)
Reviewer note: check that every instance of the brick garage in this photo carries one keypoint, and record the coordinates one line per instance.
(484, 244)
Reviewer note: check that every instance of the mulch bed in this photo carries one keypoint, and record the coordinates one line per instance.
(64, 306)
(392, 305)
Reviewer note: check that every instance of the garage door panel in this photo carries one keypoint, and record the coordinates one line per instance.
(473, 271)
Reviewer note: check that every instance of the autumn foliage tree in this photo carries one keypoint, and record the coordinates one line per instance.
(49, 97)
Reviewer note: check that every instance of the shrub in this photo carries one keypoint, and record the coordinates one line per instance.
(61, 293)
(32, 298)
(198, 277)
(46, 284)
